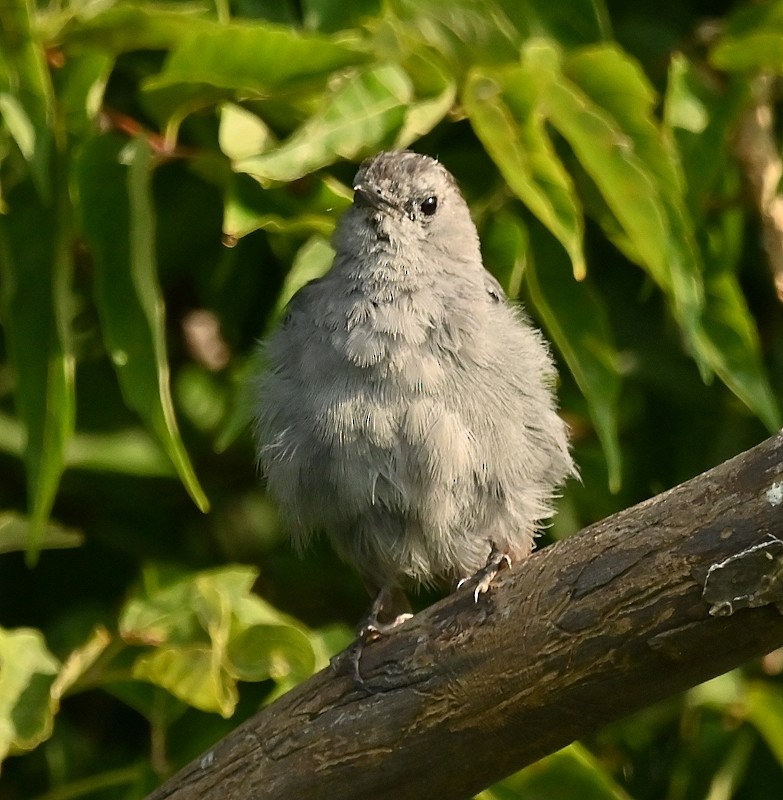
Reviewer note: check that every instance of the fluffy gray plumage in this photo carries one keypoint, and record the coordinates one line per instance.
(408, 410)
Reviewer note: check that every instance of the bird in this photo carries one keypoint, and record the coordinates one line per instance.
(407, 408)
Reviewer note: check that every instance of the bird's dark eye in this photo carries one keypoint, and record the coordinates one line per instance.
(429, 205)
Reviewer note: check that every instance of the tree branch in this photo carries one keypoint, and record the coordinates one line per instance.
(585, 631)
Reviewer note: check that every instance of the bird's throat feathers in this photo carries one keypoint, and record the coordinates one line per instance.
(371, 259)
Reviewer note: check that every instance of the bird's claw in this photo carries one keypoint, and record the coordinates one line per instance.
(483, 578)
(369, 632)
(370, 629)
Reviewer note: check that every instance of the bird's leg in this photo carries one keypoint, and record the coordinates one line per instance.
(389, 600)
(383, 616)
(496, 561)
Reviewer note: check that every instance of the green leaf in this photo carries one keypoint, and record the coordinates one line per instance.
(164, 611)
(266, 644)
(701, 120)
(208, 631)
(312, 260)
(336, 15)
(461, 32)
(577, 322)
(617, 85)
(684, 105)
(201, 396)
(255, 57)
(435, 91)
(193, 674)
(732, 772)
(504, 112)
(571, 772)
(312, 206)
(27, 671)
(764, 710)
(213, 601)
(571, 22)
(118, 221)
(188, 620)
(127, 452)
(29, 83)
(729, 341)
(434, 82)
(504, 247)
(36, 304)
(365, 113)
(280, 652)
(131, 452)
(215, 62)
(625, 154)
(12, 432)
(718, 693)
(81, 82)
(18, 123)
(242, 133)
(80, 660)
(123, 27)
(16, 534)
(752, 40)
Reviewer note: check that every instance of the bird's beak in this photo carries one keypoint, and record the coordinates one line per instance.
(366, 194)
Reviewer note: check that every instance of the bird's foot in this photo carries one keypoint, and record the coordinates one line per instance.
(369, 632)
(370, 629)
(482, 578)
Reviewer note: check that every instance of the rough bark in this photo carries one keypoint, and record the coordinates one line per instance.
(584, 632)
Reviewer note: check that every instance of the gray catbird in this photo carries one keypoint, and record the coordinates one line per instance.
(408, 408)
